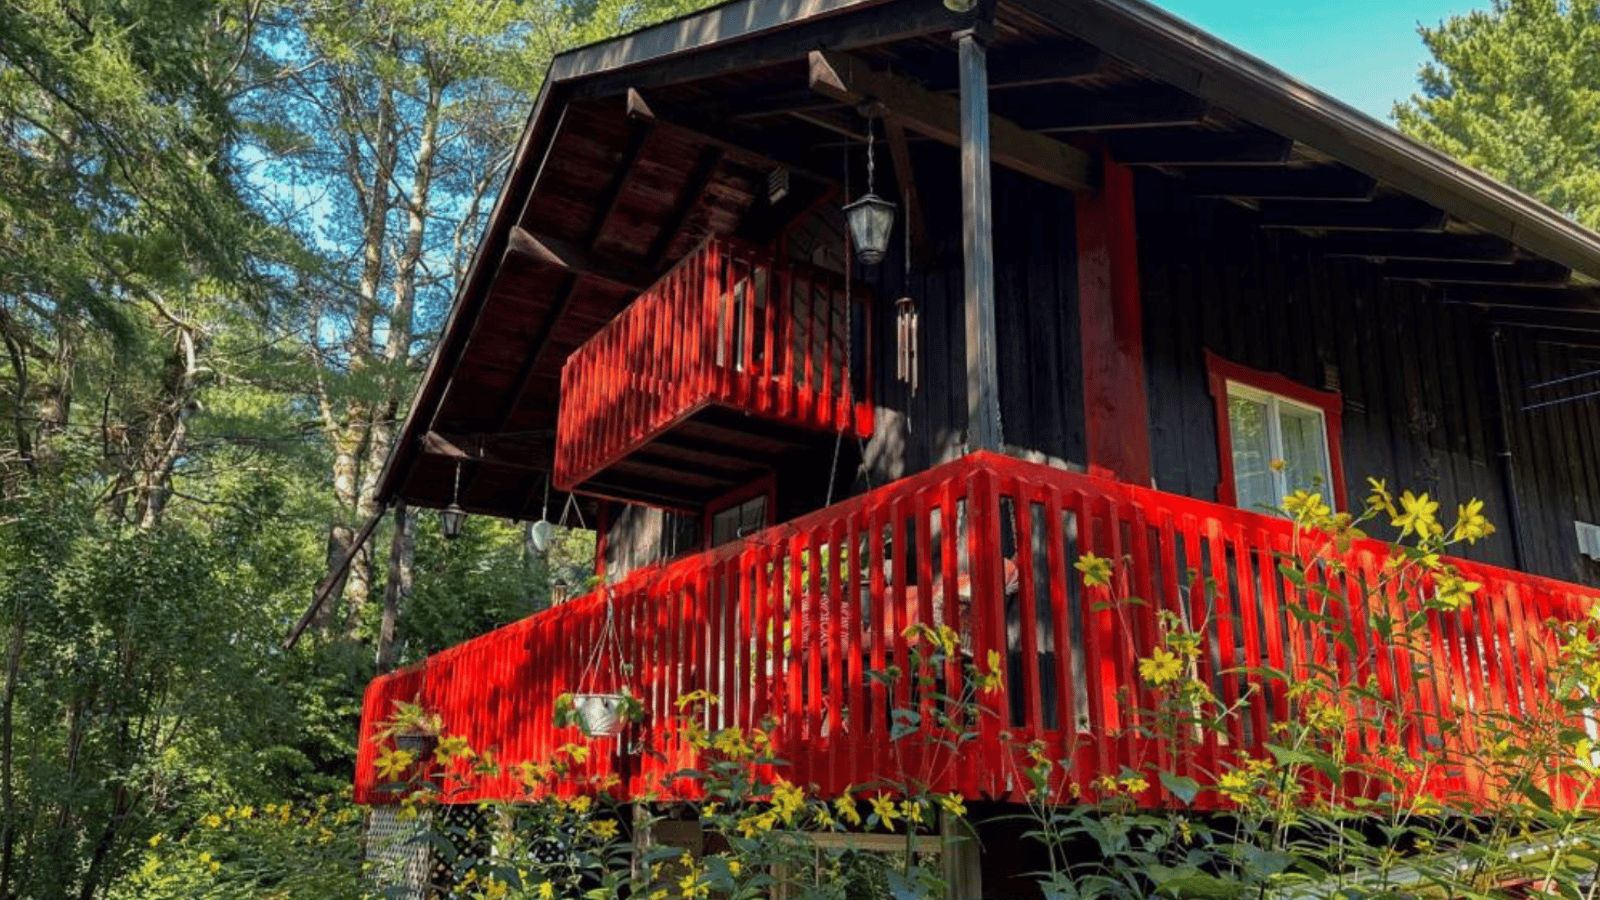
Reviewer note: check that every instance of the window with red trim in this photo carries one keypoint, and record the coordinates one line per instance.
(1275, 436)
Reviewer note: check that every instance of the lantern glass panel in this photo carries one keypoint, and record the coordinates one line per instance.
(871, 219)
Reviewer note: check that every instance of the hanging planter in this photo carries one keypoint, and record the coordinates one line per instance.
(598, 715)
(596, 712)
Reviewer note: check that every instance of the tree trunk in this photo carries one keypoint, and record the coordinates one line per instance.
(402, 553)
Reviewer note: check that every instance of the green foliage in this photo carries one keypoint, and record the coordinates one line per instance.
(1515, 90)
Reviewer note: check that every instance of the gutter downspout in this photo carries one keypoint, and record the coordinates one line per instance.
(1503, 451)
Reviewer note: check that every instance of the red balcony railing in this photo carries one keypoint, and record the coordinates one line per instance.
(786, 624)
(727, 326)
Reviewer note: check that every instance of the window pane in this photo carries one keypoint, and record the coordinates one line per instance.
(1252, 472)
(1305, 450)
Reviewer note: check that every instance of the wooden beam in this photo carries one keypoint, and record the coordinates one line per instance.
(1523, 272)
(1384, 214)
(1562, 337)
(850, 80)
(1560, 298)
(1056, 62)
(1438, 246)
(1062, 61)
(694, 185)
(906, 178)
(1180, 147)
(554, 252)
(681, 126)
(1155, 106)
(1584, 321)
(639, 131)
(977, 238)
(1277, 183)
(520, 451)
(745, 35)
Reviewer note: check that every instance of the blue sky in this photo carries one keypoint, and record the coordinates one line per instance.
(1365, 52)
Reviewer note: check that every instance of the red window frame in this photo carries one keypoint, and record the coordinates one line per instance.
(766, 485)
(1220, 371)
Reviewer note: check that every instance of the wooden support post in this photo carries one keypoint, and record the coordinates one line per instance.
(961, 857)
(1116, 409)
(977, 245)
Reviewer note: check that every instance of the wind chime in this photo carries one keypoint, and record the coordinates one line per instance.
(905, 330)
(871, 218)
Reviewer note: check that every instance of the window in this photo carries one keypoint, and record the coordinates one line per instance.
(1262, 418)
(740, 513)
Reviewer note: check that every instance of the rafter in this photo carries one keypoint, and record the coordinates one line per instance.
(554, 252)
(850, 80)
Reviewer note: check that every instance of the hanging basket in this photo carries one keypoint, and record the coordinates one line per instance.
(418, 745)
(599, 715)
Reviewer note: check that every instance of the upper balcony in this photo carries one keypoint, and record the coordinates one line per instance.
(786, 626)
(730, 361)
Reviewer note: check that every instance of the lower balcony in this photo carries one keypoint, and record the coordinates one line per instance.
(788, 625)
(716, 373)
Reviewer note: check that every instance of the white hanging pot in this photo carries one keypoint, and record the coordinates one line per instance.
(540, 533)
(599, 715)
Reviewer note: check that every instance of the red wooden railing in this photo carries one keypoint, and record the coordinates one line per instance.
(1002, 536)
(729, 326)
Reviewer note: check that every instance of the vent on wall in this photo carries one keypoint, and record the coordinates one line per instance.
(1588, 539)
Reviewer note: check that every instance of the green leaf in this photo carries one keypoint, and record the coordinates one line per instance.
(1180, 786)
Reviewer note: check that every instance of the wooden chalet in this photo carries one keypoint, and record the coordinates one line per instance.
(1130, 267)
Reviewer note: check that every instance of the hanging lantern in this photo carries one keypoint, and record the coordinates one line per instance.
(871, 219)
(452, 517)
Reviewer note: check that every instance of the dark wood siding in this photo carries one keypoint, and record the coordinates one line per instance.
(1039, 363)
(1416, 372)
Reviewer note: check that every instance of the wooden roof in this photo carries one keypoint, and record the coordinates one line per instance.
(639, 147)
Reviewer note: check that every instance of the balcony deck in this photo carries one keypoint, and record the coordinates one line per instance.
(728, 363)
(1002, 536)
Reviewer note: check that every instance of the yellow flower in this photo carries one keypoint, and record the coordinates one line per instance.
(694, 886)
(846, 808)
(1471, 524)
(949, 640)
(1452, 591)
(993, 680)
(1160, 667)
(1418, 516)
(952, 804)
(205, 857)
(547, 891)
(734, 868)
(912, 809)
(1235, 785)
(212, 821)
(885, 808)
(1134, 784)
(789, 800)
(1096, 570)
(580, 805)
(1380, 500)
(1307, 507)
(392, 763)
(1278, 465)
(605, 829)
(155, 840)
(451, 747)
